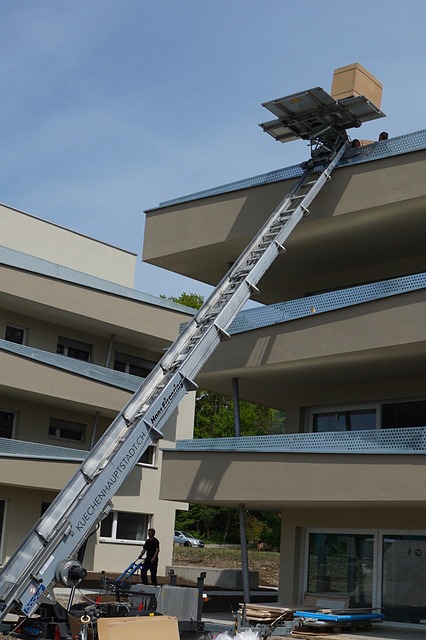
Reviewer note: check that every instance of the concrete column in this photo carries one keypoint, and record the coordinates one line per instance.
(110, 350)
(241, 507)
(289, 587)
(292, 419)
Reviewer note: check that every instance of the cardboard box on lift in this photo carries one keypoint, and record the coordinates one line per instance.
(355, 80)
(139, 628)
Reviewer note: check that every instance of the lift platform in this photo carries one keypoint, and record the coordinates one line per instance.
(316, 116)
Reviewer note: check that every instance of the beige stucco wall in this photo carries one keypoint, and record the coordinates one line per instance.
(267, 480)
(42, 239)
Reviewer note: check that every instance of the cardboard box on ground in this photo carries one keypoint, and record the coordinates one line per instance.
(152, 627)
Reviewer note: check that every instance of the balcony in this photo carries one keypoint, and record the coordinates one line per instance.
(382, 469)
(353, 345)
(49, 292)
(41, 376)
(45, 467)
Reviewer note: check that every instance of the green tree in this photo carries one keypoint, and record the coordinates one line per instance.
(214, 417)
(199, 520)
(192, 300)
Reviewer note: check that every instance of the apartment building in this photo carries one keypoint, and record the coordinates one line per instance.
(76, 341)
(339, 344)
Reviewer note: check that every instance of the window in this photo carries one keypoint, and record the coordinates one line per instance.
(149, 457)
(66, 430)
(340, 420)
(74, 349)
(404, 414)
(14, 334)
(341, 563)
(384, 569)
(403, 578)
(131, 364)
(384, 415)
(7, 420)
(120, 526)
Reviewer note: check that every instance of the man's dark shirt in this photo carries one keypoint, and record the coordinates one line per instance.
(150, 546)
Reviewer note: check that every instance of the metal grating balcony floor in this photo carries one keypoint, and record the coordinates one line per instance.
(379, 441)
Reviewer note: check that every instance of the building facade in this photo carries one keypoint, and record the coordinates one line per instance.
(339, 345)
(76, 341)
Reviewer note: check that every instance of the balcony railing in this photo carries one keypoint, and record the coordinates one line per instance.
(13, 258)
(415, 141)
(268, 315)
(10, 448)
(378, 441)
(95, 372)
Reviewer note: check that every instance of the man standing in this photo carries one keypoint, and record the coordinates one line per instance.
(151, 548)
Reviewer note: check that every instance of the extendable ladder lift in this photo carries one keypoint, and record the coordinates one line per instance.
(47, 555)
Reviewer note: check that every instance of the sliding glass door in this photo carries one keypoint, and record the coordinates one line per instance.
(382, 569)
(342, 563)
(403, 577)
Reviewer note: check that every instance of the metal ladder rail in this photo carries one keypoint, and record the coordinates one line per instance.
(57, 525)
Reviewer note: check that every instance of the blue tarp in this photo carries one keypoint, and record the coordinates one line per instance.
(340, 617)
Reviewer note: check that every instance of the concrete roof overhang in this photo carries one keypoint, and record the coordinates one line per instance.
(368, 223)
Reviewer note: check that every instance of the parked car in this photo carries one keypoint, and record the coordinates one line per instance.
(186, 539)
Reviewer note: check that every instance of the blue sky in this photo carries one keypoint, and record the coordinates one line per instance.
(112, 106)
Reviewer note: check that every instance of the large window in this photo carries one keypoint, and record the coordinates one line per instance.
(66, 430)
(383, 569)
(404, 578)
(14, 334)
(340, 420)
(131, 364)
(7, 421)
(404, 414)
(74, 349)
(342, 563)
(385, 415)
(121, 526)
